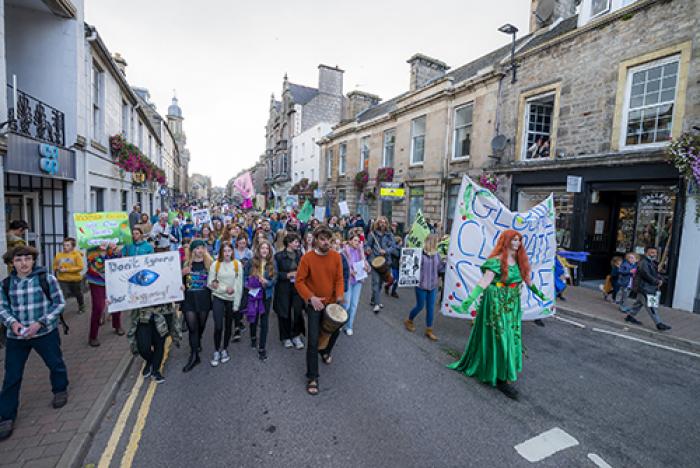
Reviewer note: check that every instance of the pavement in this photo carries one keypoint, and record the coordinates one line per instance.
(45, 437)
(388, 400)
(588, 303)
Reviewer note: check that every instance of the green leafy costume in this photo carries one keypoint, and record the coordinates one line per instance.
(494, 349)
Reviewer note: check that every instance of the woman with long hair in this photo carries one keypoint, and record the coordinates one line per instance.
(308, 244)
(494, 353)
(209, 238)
(261, 276)
(426, 291)
(197, 302)
(225, 238)
(226, 283)
(288, 305)
(359, 269)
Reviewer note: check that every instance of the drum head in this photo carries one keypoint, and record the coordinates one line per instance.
(336, 313)
(378, 262)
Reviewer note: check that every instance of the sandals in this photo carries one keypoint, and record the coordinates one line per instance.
(327, 359)
(312, 387)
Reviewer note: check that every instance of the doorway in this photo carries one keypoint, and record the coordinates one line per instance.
(25, 206)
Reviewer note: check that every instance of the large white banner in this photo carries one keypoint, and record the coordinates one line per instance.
(479, 219)
(143, 280)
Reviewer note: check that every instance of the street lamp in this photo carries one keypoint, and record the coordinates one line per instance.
(512, 30)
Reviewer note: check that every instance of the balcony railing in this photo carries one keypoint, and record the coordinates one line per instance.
(36, 119)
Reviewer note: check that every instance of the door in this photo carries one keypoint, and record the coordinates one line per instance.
(25, 206)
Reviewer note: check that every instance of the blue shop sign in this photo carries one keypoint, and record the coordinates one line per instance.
(48, 162)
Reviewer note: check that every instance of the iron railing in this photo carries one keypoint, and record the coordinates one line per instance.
(36, 119)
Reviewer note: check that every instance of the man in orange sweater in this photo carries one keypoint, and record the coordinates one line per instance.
(319, 282)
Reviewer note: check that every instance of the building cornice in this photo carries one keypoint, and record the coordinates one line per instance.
(63, 8)
(577, 162)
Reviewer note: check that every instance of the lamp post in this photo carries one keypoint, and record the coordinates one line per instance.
(512, 30)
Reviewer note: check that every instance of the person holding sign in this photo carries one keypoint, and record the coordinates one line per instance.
(494, 353)
(426, 291)
(646, 284)
(380, 243)
(359, 268)
(96, 258)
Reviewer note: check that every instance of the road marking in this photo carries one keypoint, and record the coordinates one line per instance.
(600, 463)
(650, 343)
(548, 443)
(137, 431)
(108, 454)
(576, 324)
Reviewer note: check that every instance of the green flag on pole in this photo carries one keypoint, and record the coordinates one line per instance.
(306, 211)
(418, 233)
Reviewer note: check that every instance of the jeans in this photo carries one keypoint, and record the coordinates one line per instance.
(377, 282)
(264, 321)
(97, 294)
(223, 321)
(395, 274)
(16, 355)
(640, 302)
(73, 288)
(352, 298)
(150, 344)
(424, 298)
(313, 320)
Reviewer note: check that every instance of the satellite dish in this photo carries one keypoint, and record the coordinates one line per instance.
(544, 10)
(498, 144)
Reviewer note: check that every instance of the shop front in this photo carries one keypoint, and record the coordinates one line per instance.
(613, 211)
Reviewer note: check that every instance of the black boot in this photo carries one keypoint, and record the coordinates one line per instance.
(507, 389)
(191, 362)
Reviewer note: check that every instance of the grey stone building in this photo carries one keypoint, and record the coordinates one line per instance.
(300, 108)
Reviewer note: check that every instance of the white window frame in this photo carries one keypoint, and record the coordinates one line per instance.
(329, 163)
(600, 13)
(97, 99)
(364, 156)
(628, 90)
(455, 129)
(385, 163)
(342, 156)
(413, 139)
(526, 121)
(126, 120)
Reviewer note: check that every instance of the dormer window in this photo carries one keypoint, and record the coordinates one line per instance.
(599, 7)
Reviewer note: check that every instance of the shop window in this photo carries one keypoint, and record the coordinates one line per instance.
(539, 112)
(452, 194)
(387, 208)
(418, 140)
(563, 208)
(462, 131)
(415, 203)
(649, 102)
(654, 222)
(389, 145)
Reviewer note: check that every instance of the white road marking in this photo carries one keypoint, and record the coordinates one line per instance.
(600, 463)
(576, 324)
(650, 343)
(546, 444)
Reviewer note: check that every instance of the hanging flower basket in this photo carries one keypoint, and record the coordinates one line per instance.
(370, 195)
(385, 174)
(361, 180)
(489, 182)
(129, 158)
(684, 154)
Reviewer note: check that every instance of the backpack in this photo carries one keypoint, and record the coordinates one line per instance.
(217, 266)
(44, 285)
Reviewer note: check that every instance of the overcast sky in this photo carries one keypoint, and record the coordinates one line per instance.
(225, 57)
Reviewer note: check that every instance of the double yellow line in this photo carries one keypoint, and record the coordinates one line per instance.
(135, 437)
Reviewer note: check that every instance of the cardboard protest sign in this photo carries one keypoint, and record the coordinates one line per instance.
(344, 210)
(320, 213)
(409, 267)
(201, 217)
(143, 280)
(419, 232)
(92, 229)
(478, 221)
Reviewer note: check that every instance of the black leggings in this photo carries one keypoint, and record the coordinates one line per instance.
(264, 321)
(150, 344)
(223, 321)
(196, 321)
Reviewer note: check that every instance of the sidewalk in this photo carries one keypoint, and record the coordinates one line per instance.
(588, 303)
(45, 437)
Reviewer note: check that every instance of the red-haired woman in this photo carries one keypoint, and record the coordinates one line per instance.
(494, 350)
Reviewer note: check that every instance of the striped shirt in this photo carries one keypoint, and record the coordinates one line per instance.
(27, 303)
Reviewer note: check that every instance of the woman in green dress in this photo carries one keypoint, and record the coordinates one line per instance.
(494, 350)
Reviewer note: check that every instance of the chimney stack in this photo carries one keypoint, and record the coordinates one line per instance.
(425, 69)
(121, 63)
(330, 80)
(359, 101)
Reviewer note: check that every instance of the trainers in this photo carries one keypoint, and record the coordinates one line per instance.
(60, 399)
(146, 372)
(376, 309)
(237, 335)
(633, 320)
(381, 306)
(262, 355)
(224, 356)
(348, 331)
(662, 326)
(298, 342)
(216, 359)
(6, 428)
(158, 378)
(288, 344)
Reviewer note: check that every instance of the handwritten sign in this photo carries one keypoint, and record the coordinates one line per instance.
(419, 232)
(143, 280)
(320, 213)
(409, 267)
(479, 219)
(93, 229)
(344, 210)
(201, 217)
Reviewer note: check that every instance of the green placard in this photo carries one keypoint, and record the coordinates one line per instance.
(171, 215)
(419, 232)
(306, 211)
(92, 229)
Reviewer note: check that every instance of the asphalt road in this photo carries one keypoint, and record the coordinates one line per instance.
(388, 400)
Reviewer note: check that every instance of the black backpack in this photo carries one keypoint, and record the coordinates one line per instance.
(44, 284)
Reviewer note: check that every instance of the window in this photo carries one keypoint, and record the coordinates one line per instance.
(415, 203)
(97, 99)
(97, 199)
(124, 202)
(538, 126)
(649, 102)
(342, 154)
(452, 194)
(140, 142)
(285, 163)
(417, 140)
(389, 145)
(312, 175)
(341, 195)
(126, 119)
(463, 131)
(364, 153)
(150, 147)
(599, 6)
(329, 164)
